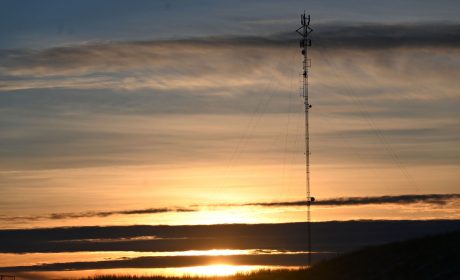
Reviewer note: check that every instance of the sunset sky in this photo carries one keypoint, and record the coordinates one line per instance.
(188, 112)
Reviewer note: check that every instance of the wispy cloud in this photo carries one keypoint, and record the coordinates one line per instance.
(204, 61)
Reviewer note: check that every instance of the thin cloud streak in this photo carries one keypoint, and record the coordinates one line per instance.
(92, 214)
(433, 199)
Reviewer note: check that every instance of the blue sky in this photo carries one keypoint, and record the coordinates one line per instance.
(49, 23)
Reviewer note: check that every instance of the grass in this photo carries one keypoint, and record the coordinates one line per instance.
(433, 257)
(264, 274)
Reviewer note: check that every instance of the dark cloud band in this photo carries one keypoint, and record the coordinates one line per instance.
(356, 36)
(435, 199)
(92, 214)
(114, 54)
(329, 236)
(381, 36)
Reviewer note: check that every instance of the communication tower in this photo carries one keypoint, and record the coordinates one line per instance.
(305, 43)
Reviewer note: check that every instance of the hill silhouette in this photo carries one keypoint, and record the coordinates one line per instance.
(433, 257)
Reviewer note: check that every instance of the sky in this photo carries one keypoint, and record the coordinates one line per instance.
(178, 112)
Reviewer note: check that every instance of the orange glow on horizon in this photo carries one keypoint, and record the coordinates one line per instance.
(203, 271)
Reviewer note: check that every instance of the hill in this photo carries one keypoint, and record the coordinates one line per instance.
(434, 257)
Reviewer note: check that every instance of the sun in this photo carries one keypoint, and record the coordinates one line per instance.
(218, 269)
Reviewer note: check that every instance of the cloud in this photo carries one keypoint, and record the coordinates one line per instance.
(148, 19)
(384, 36)
(205, 63)
(298, 259)
(435, 199)
(91, 214)
(329, 236)
(352, 36)
(131, 66)
(57, 216)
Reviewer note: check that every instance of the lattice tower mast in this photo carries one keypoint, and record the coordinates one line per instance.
(304, 30)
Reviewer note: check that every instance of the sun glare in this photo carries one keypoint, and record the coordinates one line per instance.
(224, 216)
(217, 270)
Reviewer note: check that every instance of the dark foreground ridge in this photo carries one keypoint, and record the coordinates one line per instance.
(434, 257)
